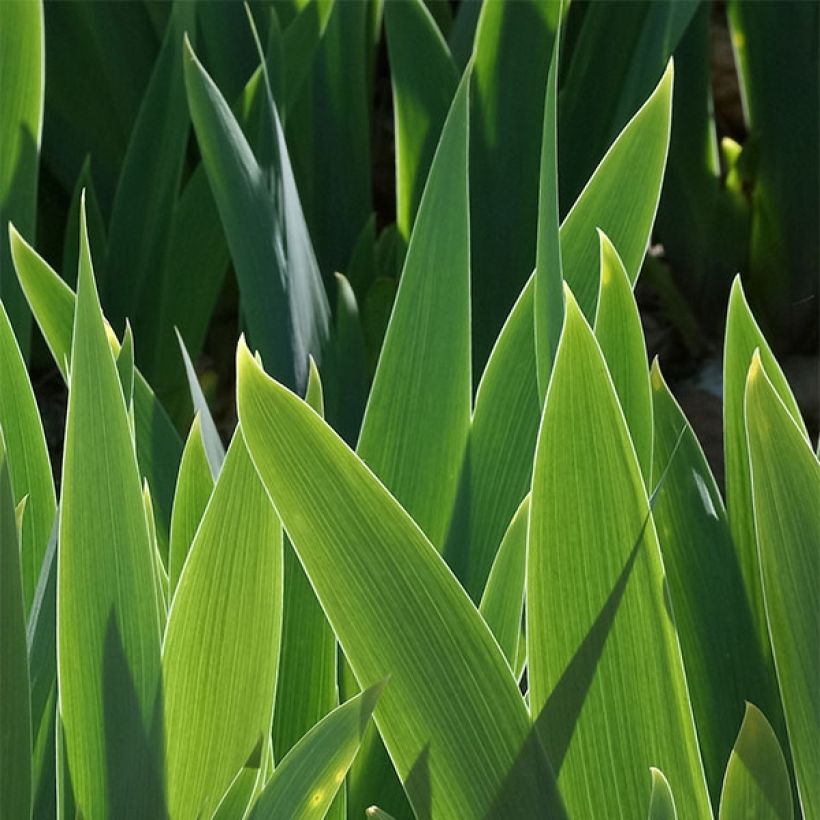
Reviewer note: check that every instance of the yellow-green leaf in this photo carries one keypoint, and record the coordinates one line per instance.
(661, 801)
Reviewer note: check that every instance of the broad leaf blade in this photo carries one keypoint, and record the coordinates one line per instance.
(108, 627)
(220, 655)
(305, 783)
(465, 751)
(588, 654)
(757, 778)
(26, 456)
(785, 482)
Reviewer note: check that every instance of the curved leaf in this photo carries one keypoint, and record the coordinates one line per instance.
(661, 802)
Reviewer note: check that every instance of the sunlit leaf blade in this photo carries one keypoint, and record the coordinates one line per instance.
(160, 573)
(41, 636)
(214, 448)
(22, 91)
(621, 198)
(588, 654)
(125, 365)
(502, 604)
(495, 474)
(282, 294)
(141, 223)
(549, 276)
(15, 701)
(424, 79)
(94, 221)
(26, 456)
(661, 801)
(375, 813)
(236, 800)
(511, 54)
(108, 627)
(461, 750)
(757, 778)
(305, 783)
(221, 648)
(308, 685)
(720, 653)
(195, 483)
(418, 414)
(743, 337)
(620, 335)
(52, 302)
(785, 477)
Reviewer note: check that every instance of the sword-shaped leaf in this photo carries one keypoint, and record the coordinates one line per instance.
(785, 483)
(108, 637)
(221, 650)
(591, 533)
(452, 718)
(661, 801)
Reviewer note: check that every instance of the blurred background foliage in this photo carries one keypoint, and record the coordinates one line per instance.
(362, 89)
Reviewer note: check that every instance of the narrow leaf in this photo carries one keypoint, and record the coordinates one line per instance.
(661, 802)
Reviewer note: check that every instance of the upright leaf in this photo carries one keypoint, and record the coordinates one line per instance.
(661, 801)
(418, 414)
(52, 302)
(511, 54)
(588, 654)
(15, 698)
(720, 652)
(221, 651)
(620, 335)
(305, 783)
(424, 80)
(26, 456)
(282, 295)
(22, 89)
(621, 197)
(785, 482)
(757, 778)
(195, 483)
(108, 623)
(461, 750)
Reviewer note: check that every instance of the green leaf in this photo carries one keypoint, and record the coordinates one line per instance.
(125, 365)
(502, 604)
(424, 79)
(26, 456)
(141, 223)
(511, 54)
(603, 86)
(305, 783)
(15, 702)
(757, 778)
(620, 335)
(743, 337)
(308, 685)
(661, 802)
(221, 649)
(495, 474)
(705, 585)
(195, 483)
(108, 626)
(214, 449)
(588, 655)
(94, 219)
(282, 295)
(549, 275)
(461, 751)
(52, 302)
(785, 482)
(22, 87)
(418, 413)
(621, 198)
